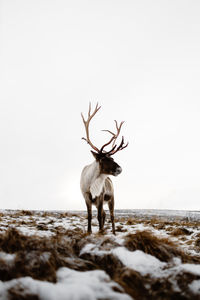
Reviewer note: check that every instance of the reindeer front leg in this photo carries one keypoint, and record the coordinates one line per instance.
(89, 211)
(101, 215)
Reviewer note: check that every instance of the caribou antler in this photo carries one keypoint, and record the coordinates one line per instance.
(113, 139)
(87, 122)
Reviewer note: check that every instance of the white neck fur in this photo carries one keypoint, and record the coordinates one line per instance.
(93, 180)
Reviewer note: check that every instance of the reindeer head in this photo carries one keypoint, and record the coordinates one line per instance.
(107, 164)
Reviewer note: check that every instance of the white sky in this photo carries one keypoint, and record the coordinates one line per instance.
(139, 59)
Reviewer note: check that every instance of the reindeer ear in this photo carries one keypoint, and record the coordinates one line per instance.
(95, 154)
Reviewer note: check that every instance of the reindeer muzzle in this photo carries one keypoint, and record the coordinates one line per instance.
(118, 171)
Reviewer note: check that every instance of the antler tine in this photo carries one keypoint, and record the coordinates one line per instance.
(113, 148)
(114, 136)
(89, 109)
(119, 148)
(120, 125)
(86, 124)
(101, 150)
(118, 129)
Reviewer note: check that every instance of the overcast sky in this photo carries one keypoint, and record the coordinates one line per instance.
(139, 59)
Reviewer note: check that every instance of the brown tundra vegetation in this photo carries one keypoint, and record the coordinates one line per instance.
(46, 255)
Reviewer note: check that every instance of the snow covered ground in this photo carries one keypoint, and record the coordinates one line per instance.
(50, 256)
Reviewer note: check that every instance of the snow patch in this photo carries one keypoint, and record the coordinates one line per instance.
(8, 258)
(93, 249)
(195, 286)
(191, 268)
(71, 285)
(139, 261)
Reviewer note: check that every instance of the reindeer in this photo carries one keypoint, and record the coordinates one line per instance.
(96, 185)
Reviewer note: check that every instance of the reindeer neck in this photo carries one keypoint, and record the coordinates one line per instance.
(94, 170)
(97, 181)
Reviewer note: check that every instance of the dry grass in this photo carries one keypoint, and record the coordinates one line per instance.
(120, 228)
(19, 293)
(197, 244)
(40, 257)
(161, 248)
(181, 231)
(145, 288)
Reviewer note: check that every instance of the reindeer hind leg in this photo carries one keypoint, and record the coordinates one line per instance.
(111, 208)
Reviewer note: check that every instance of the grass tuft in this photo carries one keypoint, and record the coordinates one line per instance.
(161, 248)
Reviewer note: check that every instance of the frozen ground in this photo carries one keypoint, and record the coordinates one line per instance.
(49, 256)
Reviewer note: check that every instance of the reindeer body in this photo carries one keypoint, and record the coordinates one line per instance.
(96, 185)
(95, 182)
(97, 189)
